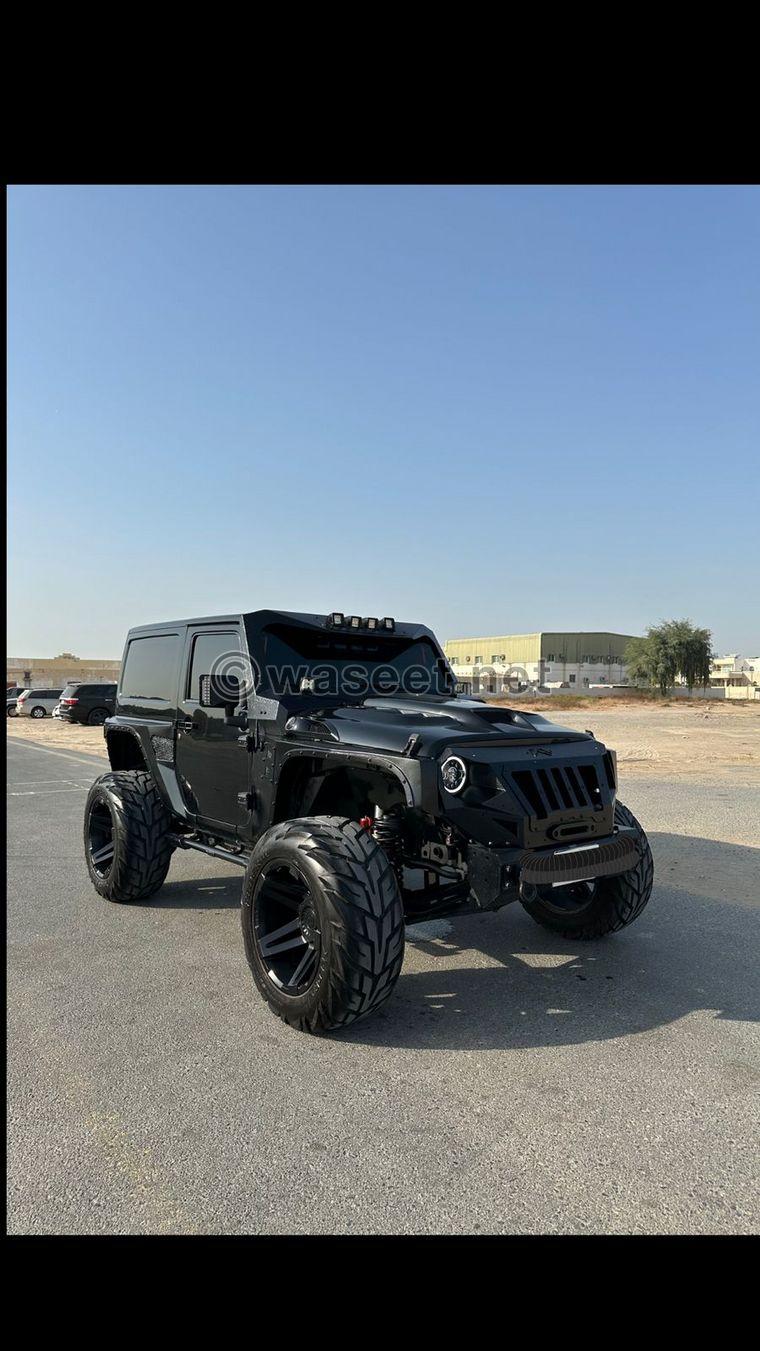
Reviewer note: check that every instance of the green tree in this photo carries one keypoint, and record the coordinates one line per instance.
(675, 647)
(637, 659)
(692, 651)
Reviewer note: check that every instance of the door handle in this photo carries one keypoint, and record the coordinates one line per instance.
(187, 725)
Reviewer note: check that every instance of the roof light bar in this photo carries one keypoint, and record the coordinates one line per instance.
(337, 620)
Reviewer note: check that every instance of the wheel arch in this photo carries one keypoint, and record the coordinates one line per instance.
(125, 749)
(310, 785)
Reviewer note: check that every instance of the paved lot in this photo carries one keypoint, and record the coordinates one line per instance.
(515, 1083)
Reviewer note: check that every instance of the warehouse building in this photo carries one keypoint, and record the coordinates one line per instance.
(53, 672)
(517, 661)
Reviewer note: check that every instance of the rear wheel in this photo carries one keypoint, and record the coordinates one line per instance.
(127, 841)
(38, 711)
(595, 908)
(323, 922)
(97, 717)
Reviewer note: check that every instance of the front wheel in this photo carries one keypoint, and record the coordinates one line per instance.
(323, 922)
(599, 907)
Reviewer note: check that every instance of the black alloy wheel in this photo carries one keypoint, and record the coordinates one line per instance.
(286, 928)
(100, 839)
(571, 899)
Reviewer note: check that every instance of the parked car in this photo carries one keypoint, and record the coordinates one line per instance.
(12, 693)
(328, 757)
(37, 703)
(90, 704)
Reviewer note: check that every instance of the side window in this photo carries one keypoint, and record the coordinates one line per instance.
(150, 670)
(213, 653)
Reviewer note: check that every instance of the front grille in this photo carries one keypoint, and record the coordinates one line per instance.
(558, 788)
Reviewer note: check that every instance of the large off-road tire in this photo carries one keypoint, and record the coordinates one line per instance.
(126, 836)
(323, 922)
(592, 910)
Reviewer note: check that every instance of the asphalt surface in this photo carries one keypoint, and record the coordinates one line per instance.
(514, 1083)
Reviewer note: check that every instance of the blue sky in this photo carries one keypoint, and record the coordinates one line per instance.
(487, 409)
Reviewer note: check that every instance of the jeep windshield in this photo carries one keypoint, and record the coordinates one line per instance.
(343, 664)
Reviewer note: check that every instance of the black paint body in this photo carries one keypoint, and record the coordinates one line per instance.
(228, 774)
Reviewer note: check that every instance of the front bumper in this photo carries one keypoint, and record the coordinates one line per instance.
(577, 863)
(496, 875)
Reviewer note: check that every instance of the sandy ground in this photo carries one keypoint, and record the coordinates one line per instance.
(676, 741)
(669, 740)
(58, 735)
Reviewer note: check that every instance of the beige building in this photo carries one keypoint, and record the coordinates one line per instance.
(574, 661)
(737, 676)
(50, 672)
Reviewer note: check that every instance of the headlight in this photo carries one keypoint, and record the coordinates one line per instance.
(453, 774)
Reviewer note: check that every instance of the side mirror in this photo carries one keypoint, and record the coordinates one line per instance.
(219, 692)
(223, 692)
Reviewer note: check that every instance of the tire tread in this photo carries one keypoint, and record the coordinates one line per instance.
(366, 918)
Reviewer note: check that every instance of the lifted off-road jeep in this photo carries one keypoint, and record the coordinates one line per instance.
(329, 756)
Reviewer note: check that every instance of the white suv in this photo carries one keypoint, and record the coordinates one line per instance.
(37, 703)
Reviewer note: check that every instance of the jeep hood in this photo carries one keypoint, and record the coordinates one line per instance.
(389, 722)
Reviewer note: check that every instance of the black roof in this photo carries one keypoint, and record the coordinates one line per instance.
(261, 617)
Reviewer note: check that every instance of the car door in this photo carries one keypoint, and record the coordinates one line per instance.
(212, 760)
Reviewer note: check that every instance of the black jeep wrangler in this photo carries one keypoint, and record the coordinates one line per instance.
(330, 757)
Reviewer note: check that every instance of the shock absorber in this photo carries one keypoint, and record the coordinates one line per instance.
(386, 829)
